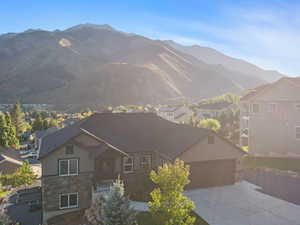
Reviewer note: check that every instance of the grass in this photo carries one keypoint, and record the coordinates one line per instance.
(285, 164)
(144, 218)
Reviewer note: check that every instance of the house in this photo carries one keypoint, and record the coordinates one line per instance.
(179, 114)
(39, 134)
(213, 110)
(70, 121)
(270, 118)
(81, 160)
(10, 160)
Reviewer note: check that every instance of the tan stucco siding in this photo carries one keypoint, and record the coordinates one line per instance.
(203, 151)
(86, 162)
(275, 132)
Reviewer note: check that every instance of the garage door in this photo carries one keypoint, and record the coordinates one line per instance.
(212, 173)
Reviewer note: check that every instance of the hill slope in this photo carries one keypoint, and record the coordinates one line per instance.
(98, 64)
(211, 56)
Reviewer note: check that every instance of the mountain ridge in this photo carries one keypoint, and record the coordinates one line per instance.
(212, 56)
(98, 64)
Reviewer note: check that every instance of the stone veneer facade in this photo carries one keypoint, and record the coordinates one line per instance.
(53, 186)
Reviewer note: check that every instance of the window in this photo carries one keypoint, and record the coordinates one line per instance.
(255, 108)
(128, 164)
(67, 201)
(146, 162)
(298, 133)
(211, 139)
(272, 107)
(68, 167)
(69, 149)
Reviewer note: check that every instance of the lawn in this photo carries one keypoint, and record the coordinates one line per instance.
(144, 218)
(286, 164)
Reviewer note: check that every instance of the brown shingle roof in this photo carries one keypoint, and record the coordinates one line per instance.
(135, 132)
(254, 92)
(130, 132)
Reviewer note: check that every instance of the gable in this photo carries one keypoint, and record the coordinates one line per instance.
(50, 163)
(202, 151)
(282, 90)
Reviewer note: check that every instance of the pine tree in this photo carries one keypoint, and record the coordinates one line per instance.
(13, 140)
(3, 131)
(117, 210)
(25, 175)
(18, 119)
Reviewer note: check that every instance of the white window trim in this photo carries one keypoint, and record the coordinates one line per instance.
(149, 163)
(68, 174)
(69, 207)
(297, 127)
(127, 164)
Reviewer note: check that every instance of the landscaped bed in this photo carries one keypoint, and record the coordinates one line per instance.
(286, 164)
(144, 218)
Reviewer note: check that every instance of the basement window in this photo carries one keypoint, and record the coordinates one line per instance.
(68, 201)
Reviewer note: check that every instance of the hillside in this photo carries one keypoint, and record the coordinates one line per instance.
(211, 56)
(96, 64)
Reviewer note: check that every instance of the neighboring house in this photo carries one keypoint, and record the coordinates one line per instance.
(10, 160)
(178, 114)
(70, 121)
(81, 160)
(214, 110)
(270, 118)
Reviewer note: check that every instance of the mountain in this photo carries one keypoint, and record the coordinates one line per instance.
(211, 56)
(96, 64)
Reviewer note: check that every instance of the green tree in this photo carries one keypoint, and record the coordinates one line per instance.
(3, 131)
(210, 123)
(13, 140)
(23, 176)
(38, 124)
(117, 209)
(168, 205)
(18, 119)
(8, 136)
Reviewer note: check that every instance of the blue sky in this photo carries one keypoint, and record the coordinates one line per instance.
(266, 33)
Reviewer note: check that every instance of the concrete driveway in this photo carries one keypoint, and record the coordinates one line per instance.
(243, 204)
